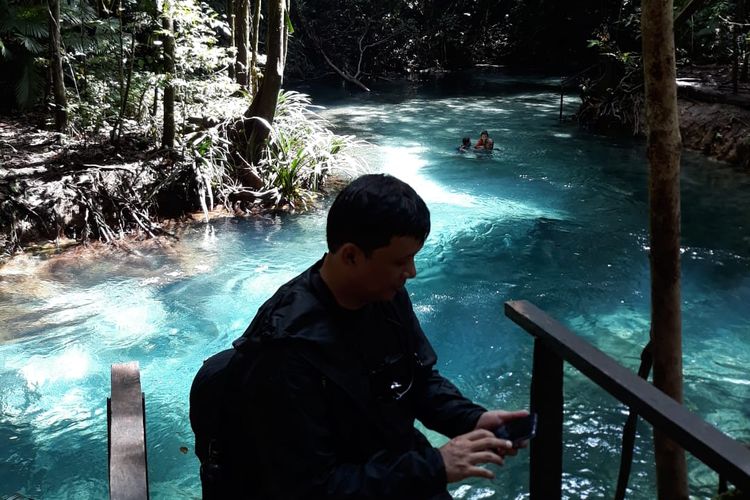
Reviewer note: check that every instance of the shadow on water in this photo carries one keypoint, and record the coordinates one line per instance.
(469, 83)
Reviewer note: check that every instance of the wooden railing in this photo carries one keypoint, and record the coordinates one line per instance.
(554, 344)
(126, 430)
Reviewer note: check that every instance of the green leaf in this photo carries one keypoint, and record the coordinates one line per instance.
(289, 27)
(31, 44)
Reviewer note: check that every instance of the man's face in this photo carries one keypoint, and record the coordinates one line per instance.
(386, 270)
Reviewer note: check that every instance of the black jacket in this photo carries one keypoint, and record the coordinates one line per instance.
(328, 398)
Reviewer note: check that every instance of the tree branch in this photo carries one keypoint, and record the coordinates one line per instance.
(344, 74)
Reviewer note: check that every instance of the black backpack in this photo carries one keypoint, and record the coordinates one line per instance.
(214, 417)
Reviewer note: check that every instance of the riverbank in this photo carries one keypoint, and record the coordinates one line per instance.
(719, 131)
(59, 190)
(55, 191)
(714, 115)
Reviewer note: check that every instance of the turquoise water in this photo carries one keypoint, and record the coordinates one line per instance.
(555, 216)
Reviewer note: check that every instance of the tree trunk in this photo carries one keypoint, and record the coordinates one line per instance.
(241, 39)
(56, 67)
(744, 38)
(167, 140)
(121, 59)
(232, 43)
(734, 33)
(169, 73)
(117, 129)
(743, 43)
(664, 146)
(256, 31)
(264, 102)
(286, 20)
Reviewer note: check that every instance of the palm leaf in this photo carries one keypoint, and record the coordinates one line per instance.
(30, 21)
(29, 85)
(79, 15)
(76, 45)
(30, 43)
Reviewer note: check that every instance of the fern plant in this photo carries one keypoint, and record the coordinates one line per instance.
(23, 35)
(302, 151)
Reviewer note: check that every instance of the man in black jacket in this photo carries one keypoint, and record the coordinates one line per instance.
(319, 396)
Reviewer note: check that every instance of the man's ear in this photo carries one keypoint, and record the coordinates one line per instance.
(350, 254)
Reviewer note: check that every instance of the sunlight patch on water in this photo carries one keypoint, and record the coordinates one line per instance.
(128, 315)
(472, 493)
(628, 324)
(71, 364)
(407, 163)
(71, 406)
(735, 381)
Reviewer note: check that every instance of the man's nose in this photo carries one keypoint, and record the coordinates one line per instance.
(411, 270)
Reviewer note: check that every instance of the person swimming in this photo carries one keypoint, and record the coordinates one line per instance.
(482, 142)
(465, 145)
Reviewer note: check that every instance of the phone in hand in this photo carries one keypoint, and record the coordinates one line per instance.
(518, 430)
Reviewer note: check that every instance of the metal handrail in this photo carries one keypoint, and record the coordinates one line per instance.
(554, 344)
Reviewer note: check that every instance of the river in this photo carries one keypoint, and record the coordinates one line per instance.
(555, 215)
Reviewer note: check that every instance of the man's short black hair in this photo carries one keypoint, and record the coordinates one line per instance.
(374, 208)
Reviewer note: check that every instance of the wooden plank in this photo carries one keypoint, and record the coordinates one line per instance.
(128, 473)
(545, 481)
(714, 448)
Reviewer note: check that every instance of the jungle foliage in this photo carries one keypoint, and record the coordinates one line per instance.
(707, 32)
(362, 41)
(153, 112)
(370, 39)
(597, 42)
(186, 83)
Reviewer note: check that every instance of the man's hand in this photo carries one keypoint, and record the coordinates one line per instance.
(462, 454)
(491, 420)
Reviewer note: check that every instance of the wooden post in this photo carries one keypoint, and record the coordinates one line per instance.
(664, 145)
(547, 402)
(128, 472)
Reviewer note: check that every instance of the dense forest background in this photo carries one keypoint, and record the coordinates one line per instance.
(114, 55)
(160, 107)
